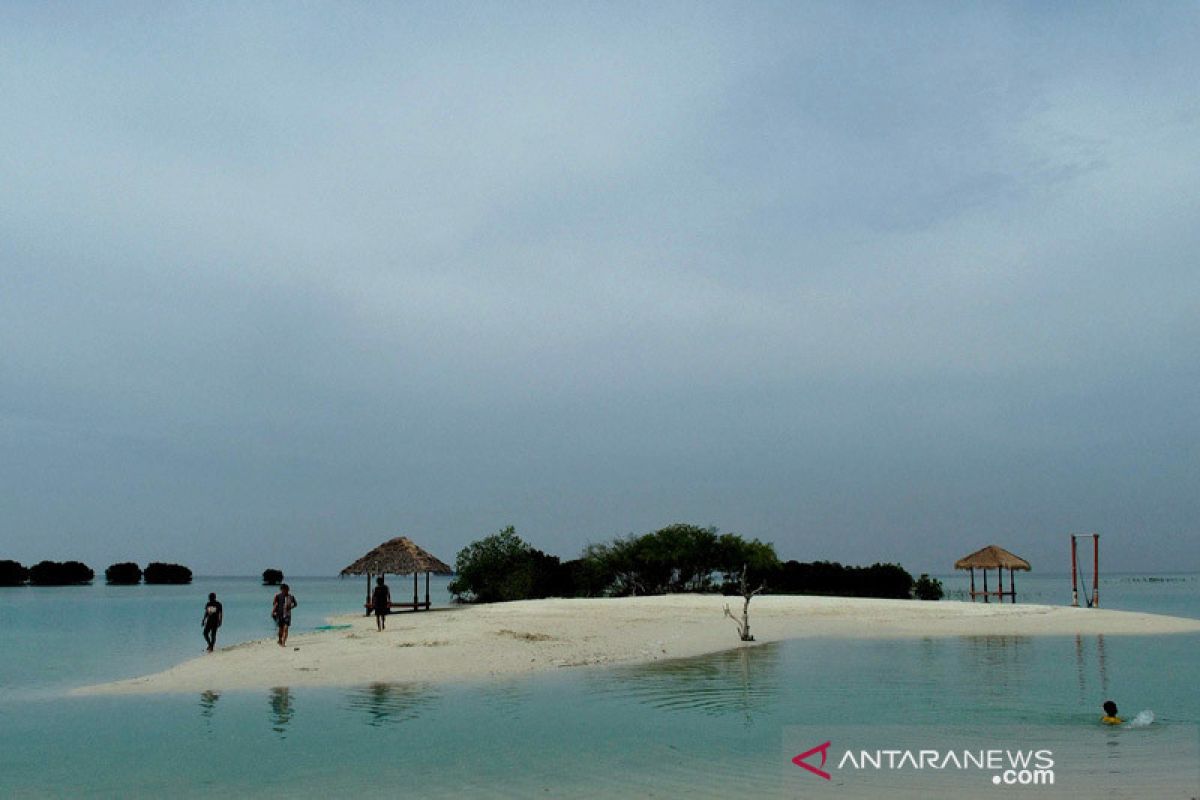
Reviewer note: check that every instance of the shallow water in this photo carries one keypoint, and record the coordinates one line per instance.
(711, 726)
(59, 637)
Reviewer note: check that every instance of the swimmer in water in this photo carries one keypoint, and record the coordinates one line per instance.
(1110, 714)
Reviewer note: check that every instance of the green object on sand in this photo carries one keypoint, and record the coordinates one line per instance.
(332, 627)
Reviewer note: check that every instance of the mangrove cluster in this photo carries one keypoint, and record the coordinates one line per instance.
(75, 573)
(45, 573)
(677, 558)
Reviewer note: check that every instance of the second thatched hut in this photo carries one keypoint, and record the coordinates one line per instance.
(999, 559)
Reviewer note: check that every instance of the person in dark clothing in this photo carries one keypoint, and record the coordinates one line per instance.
(214, 615)
(381, 601)
(281, 612)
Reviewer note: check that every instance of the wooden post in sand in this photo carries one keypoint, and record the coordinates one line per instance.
(1077, 578)
(1074, 576)
(416, 599)
(972, 584)
(427, 591)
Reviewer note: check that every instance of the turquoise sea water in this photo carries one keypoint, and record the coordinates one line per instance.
(710, 726)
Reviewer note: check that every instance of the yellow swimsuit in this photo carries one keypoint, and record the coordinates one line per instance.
(1111, 720)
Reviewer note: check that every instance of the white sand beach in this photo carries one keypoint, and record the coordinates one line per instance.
(505, 639)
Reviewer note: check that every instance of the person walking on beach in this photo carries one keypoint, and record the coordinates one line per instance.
(214, 615)
(381, 601)
(281, 612)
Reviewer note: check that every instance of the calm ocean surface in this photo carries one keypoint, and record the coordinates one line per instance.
(709, 726)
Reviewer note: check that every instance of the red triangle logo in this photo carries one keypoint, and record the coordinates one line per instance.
(823, 749)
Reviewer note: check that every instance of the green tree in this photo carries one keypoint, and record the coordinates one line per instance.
(158, 572)
(615, 567)
(12, 573)
(124, 574)
(503, 567)
(832, 578)
(677, 558)
(54, 573)
(757, 558)
(927, 588)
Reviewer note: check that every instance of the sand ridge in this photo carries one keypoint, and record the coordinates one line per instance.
(464, 643)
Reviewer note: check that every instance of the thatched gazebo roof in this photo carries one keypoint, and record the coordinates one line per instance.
(398, 556)
(992, 557)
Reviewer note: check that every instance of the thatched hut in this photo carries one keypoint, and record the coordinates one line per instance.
(399, 556)
(999, 559)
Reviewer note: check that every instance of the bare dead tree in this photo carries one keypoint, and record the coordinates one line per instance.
(743, 625)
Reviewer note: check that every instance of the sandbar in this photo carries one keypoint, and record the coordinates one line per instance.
(472, 643)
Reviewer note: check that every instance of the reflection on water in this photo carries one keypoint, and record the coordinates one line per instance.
(208, 703)
(1083, 671)
(742, 681)
(709, 727)
(281, 709)
(1103, 662)
(1000, 661)
(390, 703)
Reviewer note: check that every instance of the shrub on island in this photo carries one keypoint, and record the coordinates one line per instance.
(678, 558)
(66, 573)
(927, 588)
(124, 574)
(12, 573)
(832, 578)
(272, 577)
(503, 567)
(157, 572)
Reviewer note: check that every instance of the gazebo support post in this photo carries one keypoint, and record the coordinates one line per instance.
(426, 590)
(367, 605)
(1074, 577)
(415, 598)
(991, 558)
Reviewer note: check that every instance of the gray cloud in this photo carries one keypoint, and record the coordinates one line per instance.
(870, 282)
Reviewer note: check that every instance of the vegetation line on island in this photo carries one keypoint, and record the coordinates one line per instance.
(503, 567)
(677, 558)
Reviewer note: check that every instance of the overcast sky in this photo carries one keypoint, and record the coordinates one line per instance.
(880, 281)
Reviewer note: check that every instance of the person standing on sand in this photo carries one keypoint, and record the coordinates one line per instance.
(214, 615)
(381, 601)
(281, 612)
